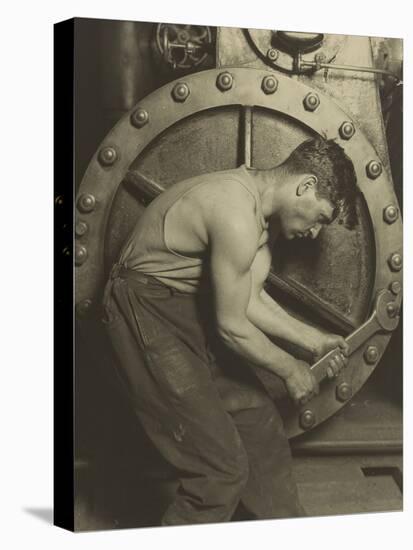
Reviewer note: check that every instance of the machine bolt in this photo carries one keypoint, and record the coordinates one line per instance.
(180, 92)
(273, 54)
(320, 58)
(86, 203)
(396, 287)
(139, 117)
(344, 391)
(224, 81)
(311, 101)
(107, 156)
(395, 262)
(269, 84)
(81, 228)
(371, 355)
(374, 169)
(307, 419)
(390, 213)
(80, 254)
(83, 307)
(347, 130)
(392, 310)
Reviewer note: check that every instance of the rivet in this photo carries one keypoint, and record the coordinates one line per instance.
(371, 355)
(374, 169)
(180, 92)
(83, 307)
(107, 156)
(80, 254)
(390, 213)
(224, 81)
(344, 391)
(395, 262)
(81, 228)
(139, 117)
(66, 251)
(273, 54)
(59, 200)
(307, 419)
(269, 84)
(392, 310)
(311, 101)
(347, 130)
(396, 287)
(86, 202)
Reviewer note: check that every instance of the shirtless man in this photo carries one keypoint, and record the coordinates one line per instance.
(190, 321)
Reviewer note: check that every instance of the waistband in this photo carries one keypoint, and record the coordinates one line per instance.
(147, 283)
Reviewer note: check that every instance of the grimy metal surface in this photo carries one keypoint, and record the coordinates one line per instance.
(150, 126)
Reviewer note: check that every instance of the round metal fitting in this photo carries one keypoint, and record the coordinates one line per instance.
(374, 169)
(59, 200)
(107, 156)
(347, 130)
(180, 92)
(269, 84)
(224, 81)
(390, 213)
(311, 101)
(86, 202)
(80, 254)
(371, 355)
(307, 419)
(392, 310)
(344, 391)
(139, 117)
(81, 228)
(273, 54)
(83, 308)
(395, 262)
(395, 287)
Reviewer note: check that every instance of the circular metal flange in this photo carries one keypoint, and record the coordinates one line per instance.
(102, 184)
(273, 52)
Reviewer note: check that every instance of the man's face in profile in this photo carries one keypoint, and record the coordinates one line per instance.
(306, 214)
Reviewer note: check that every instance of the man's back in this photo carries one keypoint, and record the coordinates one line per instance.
(170, 240)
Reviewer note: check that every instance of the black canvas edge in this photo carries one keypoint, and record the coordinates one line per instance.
(63, 172)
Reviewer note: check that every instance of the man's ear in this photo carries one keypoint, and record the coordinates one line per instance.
(309, 181)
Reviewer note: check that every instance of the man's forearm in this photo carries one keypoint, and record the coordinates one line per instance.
(273, 320)
(253, 345)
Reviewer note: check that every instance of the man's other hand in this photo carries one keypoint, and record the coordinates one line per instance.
(301, 383)
(339, 360)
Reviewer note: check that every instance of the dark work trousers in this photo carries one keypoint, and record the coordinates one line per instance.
(204, 410)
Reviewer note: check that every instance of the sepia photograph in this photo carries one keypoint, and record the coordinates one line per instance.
(237, 268)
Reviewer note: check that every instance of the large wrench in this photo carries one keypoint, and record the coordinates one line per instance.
(385, 318)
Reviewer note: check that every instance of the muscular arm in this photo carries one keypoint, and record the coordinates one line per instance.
(233, 242)
(273, 320)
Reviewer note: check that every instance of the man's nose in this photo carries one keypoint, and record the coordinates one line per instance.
(315, 230)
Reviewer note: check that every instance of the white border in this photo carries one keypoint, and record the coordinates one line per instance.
(26, 273)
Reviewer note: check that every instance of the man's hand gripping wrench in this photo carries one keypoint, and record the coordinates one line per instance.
(385, 318)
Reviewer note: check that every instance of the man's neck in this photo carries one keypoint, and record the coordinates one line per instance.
(270, 184)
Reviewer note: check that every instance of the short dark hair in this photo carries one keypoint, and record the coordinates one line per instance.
(336, 178)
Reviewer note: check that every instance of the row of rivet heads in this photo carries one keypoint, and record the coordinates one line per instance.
(344, 390)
